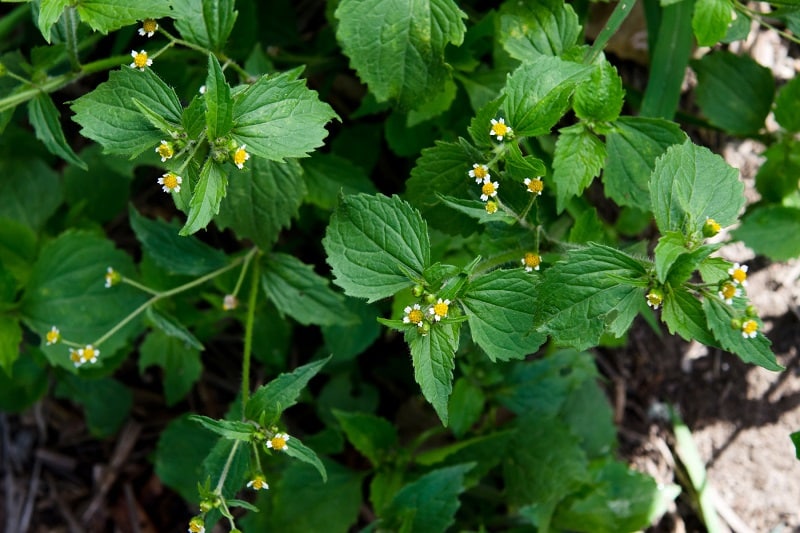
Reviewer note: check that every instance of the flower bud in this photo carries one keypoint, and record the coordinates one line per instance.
(751, 311)
(736, 323)
(417, 290)
(430, 298)
(711, 228)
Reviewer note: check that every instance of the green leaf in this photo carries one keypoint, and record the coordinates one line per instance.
(49, 13)
(734, 92)
(670, 247)
(108, 15)
(207, 23)
(326, 175)
(30, 191)
(262, 199)
(433, 357)
(219, 106)
(429, 504)
(179, 455)
(106, 402)
(372, 436)
(228, 463)
(690, 184)
(376, 245)
(180, 363)
(193, 118)
(578, 159)
(476, 209)
(600, 98)
(206, 197)
(683, 314)
(796, 441)
(397, 49)
(537, 94)
(279, 117)
(546, 27)
(46, 121)
(777, 177)
(297, 291)
(466, 406)
(589, 415)
(685, 266)
(580, 292)
(711, 20)
(500, 314)
(228, 429)
(345, 342)
(756, 350)
(766, 229)
(109, 115)
(633, 145)
(17, 248)
(102, 191)
(787, 105)
(301, 452)
(10, 340)
(28, 382)
(174, 254)
(170, 326)
(270, 400)
(480, 125)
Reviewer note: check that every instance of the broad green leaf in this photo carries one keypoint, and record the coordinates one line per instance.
(376, 245)
(480, 126)
(373, 437)
(528, 30)
(231, 458)
(297, 291)
(466, 406)
(433, 108)
(670, 247)
(108, 15)
(262, 199)
(301, 452)
(583, 290)
(347, 341)
(206, 197)
(734, 92)
(771, 230)
(500, 314)
(179, 455)
(219, 106)
(270, 400)
(49, 13)
(756, 350)
(443, 169)
(690, 184)
(30, 191)
(711, 20)
(10, 340)
(106, 402)
(433, 356)
(229, 429)
(102, 191)
(589, 416)
(787, 105)
(537, 94)
(193, 118)
(429, 504)
(326, 175)
(600, 98)
(521, 167)
(683, 314)
(29, 380)
(578, 159)
(173, 253)
(397, 48)
(180, 363)
(67, 290)
(476, 209)
(170, 326)
(207, 23)
(46, 121)
(685, 265)
(109, 115)
(633, 145)
(777, 177)
(279, 117)
(17, 248)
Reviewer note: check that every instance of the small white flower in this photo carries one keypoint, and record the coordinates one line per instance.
(489, 189)
(479, 172)
(140, 60)
(499, 129)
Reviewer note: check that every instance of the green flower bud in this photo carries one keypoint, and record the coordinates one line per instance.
(430, 298)
(736, 323)
(711, 228)
(751, 311)
(3, 70)
(417, 290)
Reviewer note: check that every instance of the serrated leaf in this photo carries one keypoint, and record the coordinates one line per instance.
(270, 400)
(771, 230)
(279, 117)
(108, 15)
(206, 197)
(179, 360)
(578, 159)
(734, 92)
(480, 125)
(297, 291)
(777, 177)
(690, 184)
(500, 314)
(465, 408)
(170, 326)
(521, 167)
(262, 199)
(579, 291)
(109, 116)
(397, 48)
(301, 452)
(328, 175)
(429, 504)
(49, 13)
(683, 314)
(433, 356)
(372, 436)
(476, 209)
(374, 243)
(193, 118)
(10, 340)
(177, 255)
(757, 350)
(670, 246)
(106, 402)
(600, 98)
(207, 23)
(711, 20)
(45, 120)
(219, 106)
(229, 429)
(30, 191)
(633, 145)
(787, 105)
(537, 94)
(179, 455)
(528, 30)
(686, 264)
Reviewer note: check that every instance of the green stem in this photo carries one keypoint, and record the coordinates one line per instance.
(620, 13)
(758, 17)
(71, 22)
(248, 336)
(139, 286)
(224, 474)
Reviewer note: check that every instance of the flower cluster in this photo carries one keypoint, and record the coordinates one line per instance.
(732, 287)
(422, 317)
(81, 356)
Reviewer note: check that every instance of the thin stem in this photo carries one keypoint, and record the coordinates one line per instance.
(224, 474)
(143, 288)
(241, 277)
(616, 19)
(189, 159)
(248, 335)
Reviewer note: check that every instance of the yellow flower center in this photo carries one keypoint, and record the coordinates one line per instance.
(441, 309)
(728, 290)
(535, 186)
(74, 356)
(140, 59)
(532, 260)
(89, 353)
(491, 207)
(739, 275)
(654, 299)
(415, 316)
(52, 336)
(165, 150)
(278, 443)
(196, 526)
(749, 327)
(170, 180)
(499, 129)
(480, 171)
(149, 25)
(488, 188)
(240, 156)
